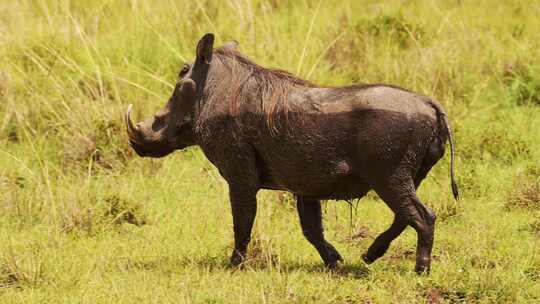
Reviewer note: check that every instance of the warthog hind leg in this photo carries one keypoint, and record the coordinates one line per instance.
(382, 242)
(401, 197)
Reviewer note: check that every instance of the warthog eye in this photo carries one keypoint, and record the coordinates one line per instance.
(184, 70)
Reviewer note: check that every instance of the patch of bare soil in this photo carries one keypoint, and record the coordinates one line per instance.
(436, 295)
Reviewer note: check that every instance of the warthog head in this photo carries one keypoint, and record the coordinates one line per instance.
(171, 128)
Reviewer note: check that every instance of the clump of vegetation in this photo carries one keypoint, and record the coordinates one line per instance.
(7, 277)
(395, 27)
(398, 253)
(285, 200)
(118, 211)
(498, 143)
(494, 139)
(356, 49)
(533, 271)
(11, 131)
(4, 84)
(447, 208)
(78, 220)
(363, 232)
(100, 145)
(106, 213)
(8, 128)
(525, 191)
(523, 83)
(261, 253)
(535, 227)
(482, 262)
(19, 272)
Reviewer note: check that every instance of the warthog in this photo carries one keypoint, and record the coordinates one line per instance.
(267, 129)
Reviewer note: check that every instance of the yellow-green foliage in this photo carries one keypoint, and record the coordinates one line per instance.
(82, 220)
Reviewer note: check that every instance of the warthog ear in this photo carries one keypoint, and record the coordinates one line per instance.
(204, 48)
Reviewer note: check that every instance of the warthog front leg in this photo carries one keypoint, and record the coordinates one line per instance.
(309, 211)
(236, 163)
(244, 208)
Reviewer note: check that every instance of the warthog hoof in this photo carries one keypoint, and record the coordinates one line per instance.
(367, 259)
(333, 260)
(422, 269)
(237, 258)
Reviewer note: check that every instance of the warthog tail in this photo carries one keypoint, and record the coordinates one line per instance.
(441, 116)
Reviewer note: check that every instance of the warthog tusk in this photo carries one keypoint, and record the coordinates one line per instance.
(132, 130)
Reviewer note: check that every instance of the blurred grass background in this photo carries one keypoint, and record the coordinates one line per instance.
(83, 220)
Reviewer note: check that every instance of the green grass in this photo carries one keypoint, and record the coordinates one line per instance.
(83, 220)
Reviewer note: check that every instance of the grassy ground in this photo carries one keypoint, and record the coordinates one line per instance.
(82, 220)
